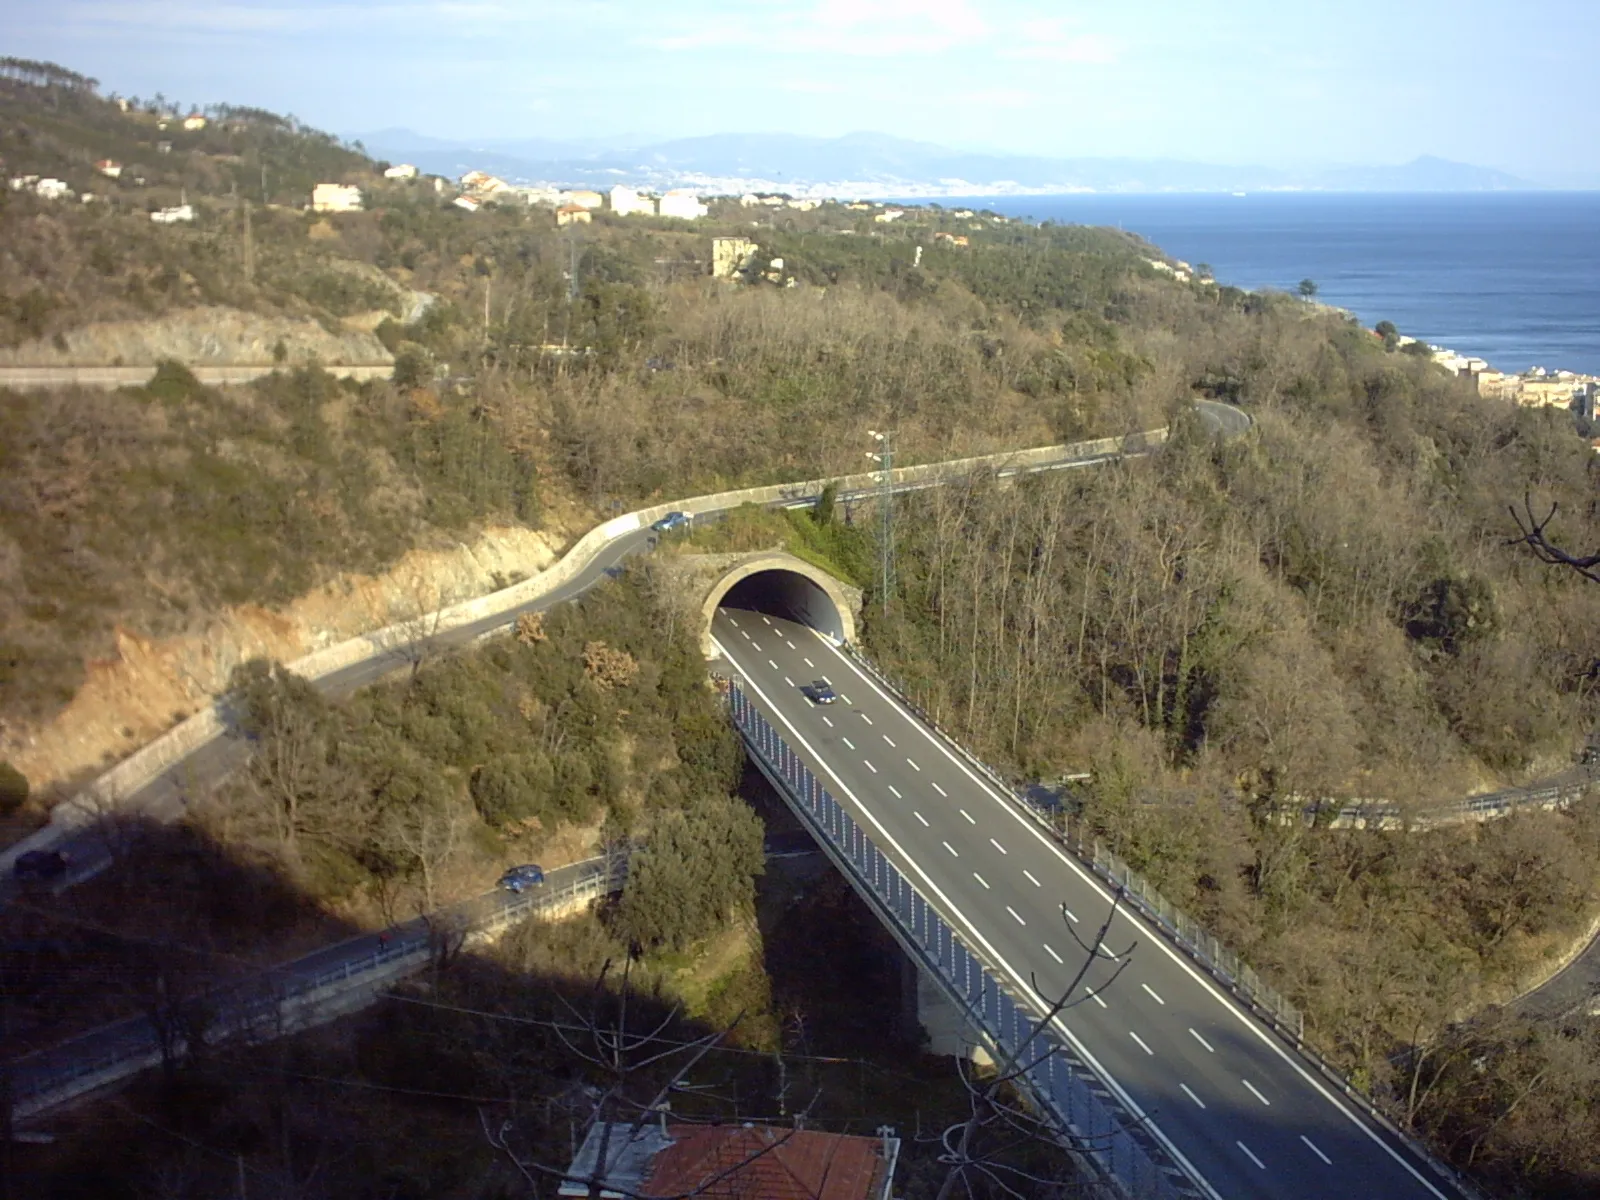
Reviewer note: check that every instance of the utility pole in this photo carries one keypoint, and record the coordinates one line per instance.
(885, 460)
(249, 246)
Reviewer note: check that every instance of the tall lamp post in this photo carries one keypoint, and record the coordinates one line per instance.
(884, 457)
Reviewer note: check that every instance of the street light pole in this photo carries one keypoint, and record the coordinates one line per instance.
(885, 460)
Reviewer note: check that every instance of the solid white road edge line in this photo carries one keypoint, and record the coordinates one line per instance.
(1023, 986)
(1238, 1014)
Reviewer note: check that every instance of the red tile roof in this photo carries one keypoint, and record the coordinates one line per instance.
(798, 1164)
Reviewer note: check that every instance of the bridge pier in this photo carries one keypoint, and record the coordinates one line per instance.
(926, 1005)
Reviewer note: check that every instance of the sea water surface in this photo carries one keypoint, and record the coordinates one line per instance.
(1512, 277)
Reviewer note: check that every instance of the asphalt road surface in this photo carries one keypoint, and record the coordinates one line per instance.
(1223, 1093)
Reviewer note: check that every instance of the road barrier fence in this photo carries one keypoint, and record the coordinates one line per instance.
(262, 1007)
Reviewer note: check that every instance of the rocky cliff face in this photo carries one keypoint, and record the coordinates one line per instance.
(199, 337)
(151, 684)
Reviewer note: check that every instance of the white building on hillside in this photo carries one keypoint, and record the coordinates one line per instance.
(585, 199)
(400, 171)
(626, 202)
(683, 204)
(171, 216)
(335, 197)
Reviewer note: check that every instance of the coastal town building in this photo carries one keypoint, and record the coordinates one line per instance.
(194, 122)
(889, 214)
(335, 198)
(400, 171)
(52, 189)
(573, 214)
(731, 255)
(109, 168)
(626, 202)
(954, 239)
(683, 204)
(732, 1162)
(180, 213)
(469, 204)
(585, 199)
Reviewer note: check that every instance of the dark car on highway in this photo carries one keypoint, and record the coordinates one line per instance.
(40, 866)
(819, 692)
(673, 520)
(520, 879)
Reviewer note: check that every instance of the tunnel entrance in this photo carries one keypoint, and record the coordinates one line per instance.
(786, 594)
(780, 585)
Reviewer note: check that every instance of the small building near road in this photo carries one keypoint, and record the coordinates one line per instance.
(172, 216)
(733, 1162)
(335, 198)
(585, 199)
(400, 171)
(683, 204)
(51, 189)
(194, 122)
(109, 168)
(467, 203)
(573, 214)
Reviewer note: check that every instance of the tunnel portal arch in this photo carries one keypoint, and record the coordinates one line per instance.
(783, 585)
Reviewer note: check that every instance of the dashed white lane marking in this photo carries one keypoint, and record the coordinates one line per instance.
(997, 845)
(1314, 1150)
(848, 743)
(890, 740)
(768, 620)
(896, 792)
(968, 816)
(772, 664)
(1254, 1091)
(1250, 1155)
(1071, 916)
(789, 644)
(827, 722)
(827, 681)
(1095, 996)
(921, 818)
(845, 698)
(1015, 914)
(755, 645)
(789, 681)
(866, 718)
(732, 622)
(1191, 1095)
(914, 767)
(744, 635)
(870, 767)
(1142, 1046)
(1152, 992)
(1052, 953)
(808, 662)
(982, 880)
(1031, 879)
(1201, 1040)
(938, 789)
(952, 850)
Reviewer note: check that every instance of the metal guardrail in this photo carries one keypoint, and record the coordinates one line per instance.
(258, 1004)
(1184, 933)
(1064, 1087)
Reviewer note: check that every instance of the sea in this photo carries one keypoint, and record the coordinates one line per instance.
(1509, 277)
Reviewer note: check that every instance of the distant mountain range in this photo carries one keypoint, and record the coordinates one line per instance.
(875, 164)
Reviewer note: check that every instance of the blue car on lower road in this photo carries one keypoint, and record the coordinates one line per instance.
(520, 879)
(673, 520)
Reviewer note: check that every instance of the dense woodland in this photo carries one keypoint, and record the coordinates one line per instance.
(1226, 635)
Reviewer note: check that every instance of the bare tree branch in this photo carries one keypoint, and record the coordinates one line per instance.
(1532, 529)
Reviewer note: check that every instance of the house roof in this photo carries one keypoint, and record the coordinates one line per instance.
(735, 1162)
(763, 1163)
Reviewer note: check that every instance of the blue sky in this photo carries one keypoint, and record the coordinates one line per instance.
(1506, 83)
